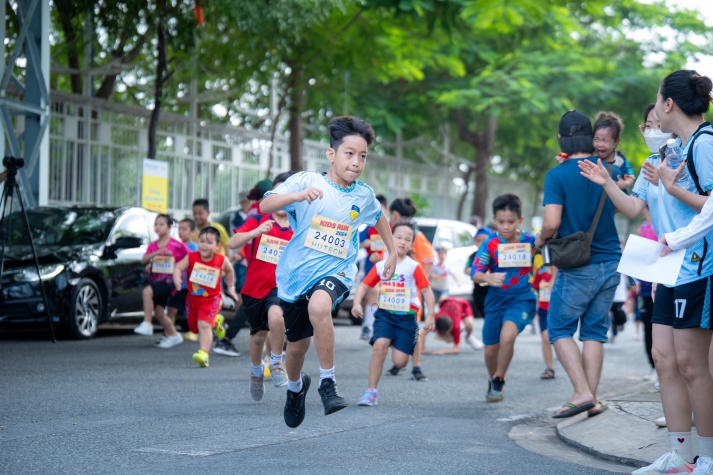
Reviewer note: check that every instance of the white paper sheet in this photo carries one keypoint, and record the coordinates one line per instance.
(641, 260)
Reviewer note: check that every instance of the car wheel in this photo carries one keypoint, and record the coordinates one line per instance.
(85, 310)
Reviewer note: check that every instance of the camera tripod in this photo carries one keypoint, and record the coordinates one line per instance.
(11, 189)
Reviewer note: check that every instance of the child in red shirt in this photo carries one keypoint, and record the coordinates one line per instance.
(452, 313)
(204, 269)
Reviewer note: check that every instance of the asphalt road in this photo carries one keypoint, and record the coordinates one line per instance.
(117, 404)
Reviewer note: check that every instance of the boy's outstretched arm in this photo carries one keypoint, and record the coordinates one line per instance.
(238, 240)
(384, 230)
(279, 200)
(357, 309)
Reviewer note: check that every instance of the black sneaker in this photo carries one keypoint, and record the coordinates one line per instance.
(495, 390)
(394, 371)
(331, 399)
(295, 405)
(417, 375)
(225, 347)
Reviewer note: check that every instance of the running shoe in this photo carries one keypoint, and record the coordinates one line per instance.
(202, 358)
(704, 466)
(394, 371)
(417, 375)
(331, 399)
(495, 390)
(190, 336)
(661, 422)
(365, 333)
(225, 347)
(218, 328)
(474, 343)
(144, 329)
(294, 412)
(368, 398)
(278, 375)
(257, 387)
(670, 462)
(170, 341)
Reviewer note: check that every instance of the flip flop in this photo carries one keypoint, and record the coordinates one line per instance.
(548, 373)
(597, 410)
(572, 409)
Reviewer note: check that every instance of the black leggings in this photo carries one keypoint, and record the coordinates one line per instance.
(646, 307)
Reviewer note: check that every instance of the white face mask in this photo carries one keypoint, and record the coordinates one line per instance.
(654, 139)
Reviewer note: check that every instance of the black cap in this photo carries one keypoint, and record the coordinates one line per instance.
(575, 123)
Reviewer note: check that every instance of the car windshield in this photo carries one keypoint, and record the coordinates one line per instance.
(428, 231)
(59, 227)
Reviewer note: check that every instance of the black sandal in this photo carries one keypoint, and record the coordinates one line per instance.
(548, 373)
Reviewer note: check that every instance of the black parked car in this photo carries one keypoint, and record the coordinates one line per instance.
(89, 260)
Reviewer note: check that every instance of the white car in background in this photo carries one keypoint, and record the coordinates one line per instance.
(457, 237)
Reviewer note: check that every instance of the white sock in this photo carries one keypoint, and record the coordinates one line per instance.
(275, 359)
(682, 442)
(294, 386)
(257, 371)
(326, 374)
(705, 446)
(369, 316)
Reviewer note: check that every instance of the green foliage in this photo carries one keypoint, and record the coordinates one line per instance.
(408, 66)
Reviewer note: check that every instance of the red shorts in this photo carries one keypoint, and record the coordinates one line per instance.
(201, 308)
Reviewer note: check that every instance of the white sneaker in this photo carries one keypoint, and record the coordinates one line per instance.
(670, 462)
(474, 343)
(144, 329)
(661, 422)
(170, 341)
(704, 466)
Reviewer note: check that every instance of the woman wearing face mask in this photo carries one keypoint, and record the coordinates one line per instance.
(681, 314)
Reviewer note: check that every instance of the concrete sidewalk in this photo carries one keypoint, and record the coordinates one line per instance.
(626, 432)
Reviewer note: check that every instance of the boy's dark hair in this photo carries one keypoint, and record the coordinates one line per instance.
(202, 202)
(381, 199)
(444, 324)
(210, 230)
(689, 90)
(406, 224)
(168, 219)
(343, 126)
(191, 223)
(281, 178)
(609, 120)
(403, 206)
(647, 111)
(508, 202)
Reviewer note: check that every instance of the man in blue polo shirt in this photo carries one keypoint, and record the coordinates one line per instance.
(581, 296)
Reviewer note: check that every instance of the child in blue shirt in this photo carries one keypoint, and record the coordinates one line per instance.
(504, 263)
(317, 267)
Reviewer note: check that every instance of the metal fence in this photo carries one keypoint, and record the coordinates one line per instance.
(97, 150)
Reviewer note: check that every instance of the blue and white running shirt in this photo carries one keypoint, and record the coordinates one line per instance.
(326, 238)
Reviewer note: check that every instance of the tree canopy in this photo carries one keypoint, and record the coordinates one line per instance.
(438, 79)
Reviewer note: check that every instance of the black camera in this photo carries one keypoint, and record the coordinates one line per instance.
(13, 163)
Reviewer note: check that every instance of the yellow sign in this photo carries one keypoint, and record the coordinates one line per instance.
(154, 190)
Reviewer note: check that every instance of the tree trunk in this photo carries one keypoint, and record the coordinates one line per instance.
(295, 108)
(464, 195)
(483, 143)
(161, 66)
